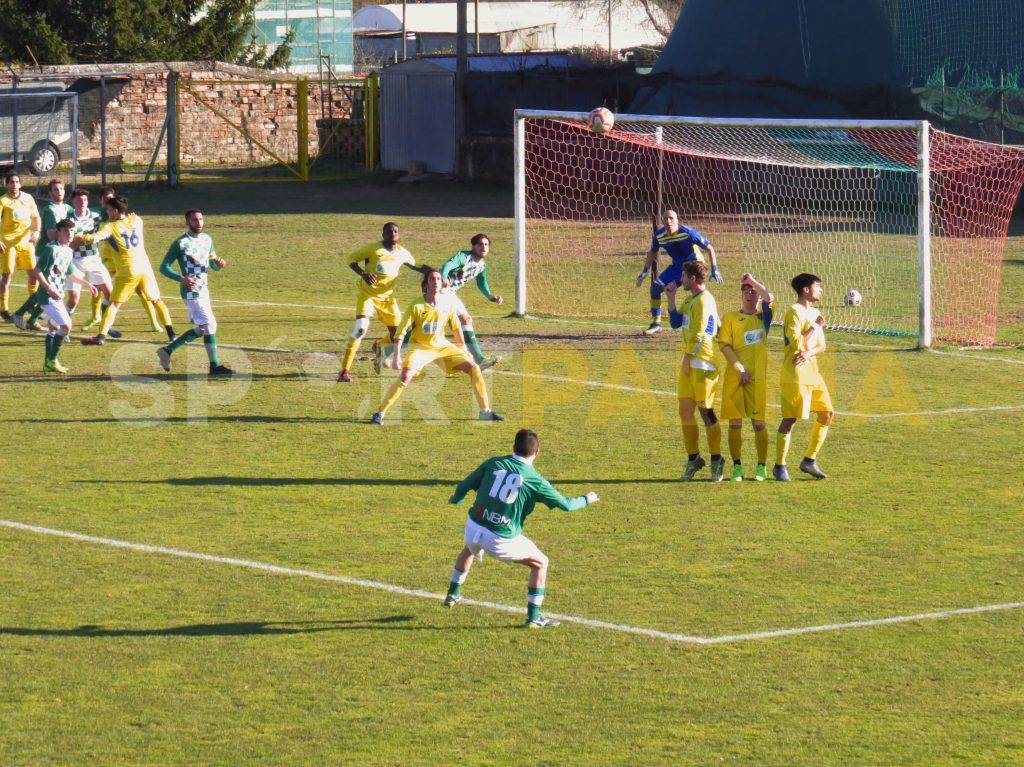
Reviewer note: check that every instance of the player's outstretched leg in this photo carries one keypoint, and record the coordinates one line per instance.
(480, 392)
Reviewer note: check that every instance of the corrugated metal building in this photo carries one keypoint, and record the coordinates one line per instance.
(417, 105)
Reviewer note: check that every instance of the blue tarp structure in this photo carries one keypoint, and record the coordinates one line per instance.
(957, 63)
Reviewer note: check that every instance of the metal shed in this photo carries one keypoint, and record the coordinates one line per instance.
(417, 106)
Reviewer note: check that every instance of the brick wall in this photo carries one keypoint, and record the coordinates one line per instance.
(136, 106)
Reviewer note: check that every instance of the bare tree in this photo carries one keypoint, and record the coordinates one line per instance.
(661, 13)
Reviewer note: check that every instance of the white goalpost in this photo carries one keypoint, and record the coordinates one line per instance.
(895, 210)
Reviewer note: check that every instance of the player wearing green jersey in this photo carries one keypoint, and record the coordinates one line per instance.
(194, 255)
(507, 488)
(458, 270)
(54, 266)
(52, 211)
(464, 266)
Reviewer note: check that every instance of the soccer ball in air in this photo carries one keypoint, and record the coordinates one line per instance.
(853, 298)
(601, 120)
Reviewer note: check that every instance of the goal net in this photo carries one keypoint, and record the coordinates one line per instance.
(840, 199)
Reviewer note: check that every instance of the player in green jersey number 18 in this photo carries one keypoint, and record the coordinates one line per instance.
(507, 488)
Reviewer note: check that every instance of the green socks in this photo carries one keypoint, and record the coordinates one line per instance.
(187, 337)
(29, 304)
(534, 599)
(458, 578)
(53, 344)
(474, 345)
(211, 349)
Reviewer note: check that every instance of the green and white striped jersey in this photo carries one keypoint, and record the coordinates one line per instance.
(55, 261)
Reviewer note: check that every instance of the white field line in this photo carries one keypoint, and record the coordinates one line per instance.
(669, 636)
(570, 321)
(616, 387)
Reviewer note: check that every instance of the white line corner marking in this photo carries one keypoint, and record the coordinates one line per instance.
(668, 636)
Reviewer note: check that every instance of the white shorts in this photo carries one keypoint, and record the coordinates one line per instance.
(56, 313)
(93, 271)
(458, 308)
(200, 312)
(479, 538)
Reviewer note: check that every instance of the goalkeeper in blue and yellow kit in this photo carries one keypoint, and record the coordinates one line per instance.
(743, 340)
(699, 375)
(682, 244)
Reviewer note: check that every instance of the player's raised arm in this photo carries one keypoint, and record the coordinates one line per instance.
(471, 482)
(553, 499)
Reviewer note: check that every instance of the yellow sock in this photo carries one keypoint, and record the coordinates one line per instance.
(108, 319)
(818, 433)
(479, 388)
(691, 438)
(151, 310)
(735, 442)
(162, 312)
(715, 438)
(5, 299)
(761, 442)
(97, 307)
(781, 448)
(392, 396)
(350, 354)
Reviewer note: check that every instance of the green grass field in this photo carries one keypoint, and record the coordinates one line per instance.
(113, 655)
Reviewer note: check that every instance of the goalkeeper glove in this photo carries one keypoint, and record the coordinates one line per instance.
(641, 277)
(716, 276)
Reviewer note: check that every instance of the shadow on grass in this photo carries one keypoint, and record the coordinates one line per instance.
(266, 419)
(343, 481)
(241, 628)
(375, 196)
(154, 377)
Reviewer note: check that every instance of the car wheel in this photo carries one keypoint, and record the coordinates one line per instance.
(43, 158)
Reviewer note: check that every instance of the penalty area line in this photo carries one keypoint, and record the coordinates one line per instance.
(669, 636)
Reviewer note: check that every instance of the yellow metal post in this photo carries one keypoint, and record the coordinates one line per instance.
(371, 121)
(302, 116)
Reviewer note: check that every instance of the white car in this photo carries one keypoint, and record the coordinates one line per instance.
(44, 127)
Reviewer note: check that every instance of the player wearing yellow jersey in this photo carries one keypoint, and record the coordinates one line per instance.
(107, 193)
(427, 321)
(743, 340)
(121, 242)
(698, 374)
(20, 225)
(802, 389)
(377, 265)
